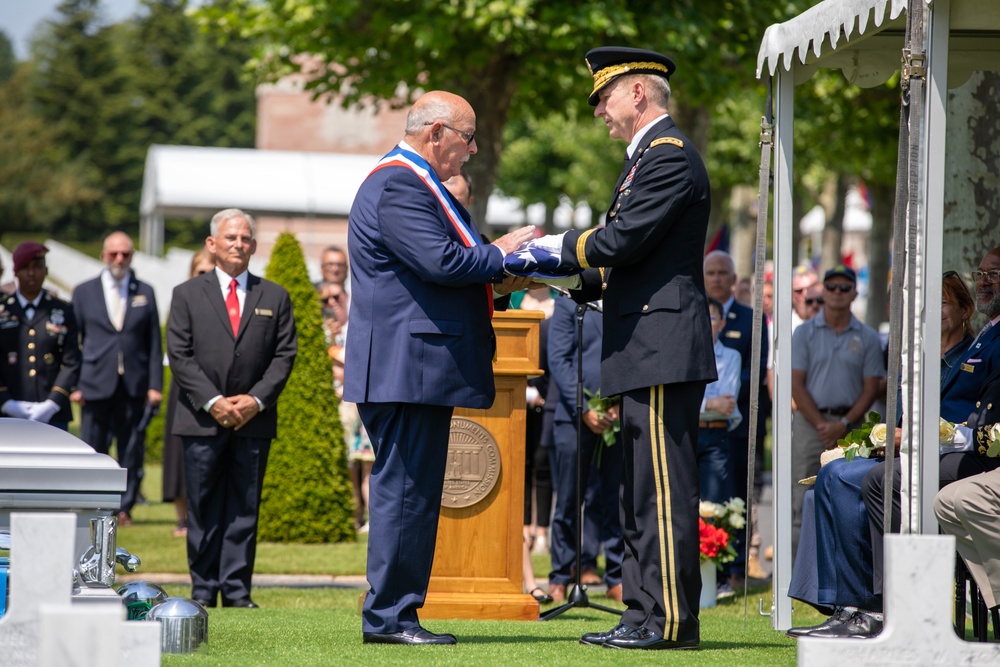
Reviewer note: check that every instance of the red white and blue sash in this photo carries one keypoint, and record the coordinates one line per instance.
(401, 157)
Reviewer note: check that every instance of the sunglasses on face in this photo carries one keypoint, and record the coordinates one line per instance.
(818, 301)
(844, 289)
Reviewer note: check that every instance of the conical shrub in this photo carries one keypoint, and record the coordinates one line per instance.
(307, 491)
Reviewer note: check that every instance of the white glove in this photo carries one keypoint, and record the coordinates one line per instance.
(962, 441)
(569, 282)
(44, 411)
(551, 242)
(16, 409)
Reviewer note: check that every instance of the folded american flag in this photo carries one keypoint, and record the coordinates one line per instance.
(534, 261)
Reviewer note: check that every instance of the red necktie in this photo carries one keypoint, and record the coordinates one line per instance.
(233, 306)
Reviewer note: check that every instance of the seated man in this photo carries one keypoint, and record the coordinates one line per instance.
(844, 576)
(968, 509)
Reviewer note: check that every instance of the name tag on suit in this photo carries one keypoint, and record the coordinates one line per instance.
(263, 312)
(734, 334)
(968, 367)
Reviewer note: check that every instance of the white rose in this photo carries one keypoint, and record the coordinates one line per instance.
(995, 432)
(706, 509)
(737, 522)
(878, 435)
(946, 432)
(737, 505)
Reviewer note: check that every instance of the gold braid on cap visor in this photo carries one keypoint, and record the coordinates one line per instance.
(601, 77)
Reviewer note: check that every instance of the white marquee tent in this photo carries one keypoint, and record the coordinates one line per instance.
(864, 39)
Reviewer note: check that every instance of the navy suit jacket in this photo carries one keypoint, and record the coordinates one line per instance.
(139, 342)
(964, 382)
(562, 354)
(208, 361)
(656, 317)
(738, 335)
(420, 328)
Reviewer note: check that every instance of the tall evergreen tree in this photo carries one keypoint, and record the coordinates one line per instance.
(40, 182)
(307, 492)
(78, 88)
(7, 60)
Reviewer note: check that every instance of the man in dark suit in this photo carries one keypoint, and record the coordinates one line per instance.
(232, 343)
(720, 278)
(657, 351)
(122, 367)
(420, 344)
(39, 352)
(601, 468)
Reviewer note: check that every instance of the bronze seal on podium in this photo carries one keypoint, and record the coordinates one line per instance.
(473, 464)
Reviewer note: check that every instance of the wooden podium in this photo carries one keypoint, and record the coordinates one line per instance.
(478, 555)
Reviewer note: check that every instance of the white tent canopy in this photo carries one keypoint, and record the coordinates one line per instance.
(865, 39)
(188, 180)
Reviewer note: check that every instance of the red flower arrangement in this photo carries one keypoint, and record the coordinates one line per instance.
(716, 526)
(712, 541)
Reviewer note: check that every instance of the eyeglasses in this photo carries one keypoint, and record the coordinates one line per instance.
(124, 254)
(817, 301)
(833, 287)
(799, 290)
(950, 274)
(468, 136)
(329, 264)
(991, 276)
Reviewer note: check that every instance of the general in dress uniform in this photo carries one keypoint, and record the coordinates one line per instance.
(646, 263)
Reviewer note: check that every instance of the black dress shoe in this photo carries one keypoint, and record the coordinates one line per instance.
(840, 616)
(241, 603)
(415, 635)
(205, 602)
(598, 638)
(860, 626)
(643, 639)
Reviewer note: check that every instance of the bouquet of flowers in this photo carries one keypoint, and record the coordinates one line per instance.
(865, 440)
(717, 524)
(599, 405)
(871, 438)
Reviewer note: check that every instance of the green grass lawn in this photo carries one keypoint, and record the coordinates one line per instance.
(322, 626)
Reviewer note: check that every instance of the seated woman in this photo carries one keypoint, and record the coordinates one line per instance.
(833, 568)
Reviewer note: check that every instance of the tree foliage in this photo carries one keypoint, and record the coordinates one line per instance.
(105, 93)
(307, 493)
(508, 58)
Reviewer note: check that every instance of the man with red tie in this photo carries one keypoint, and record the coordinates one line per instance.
(232, 343)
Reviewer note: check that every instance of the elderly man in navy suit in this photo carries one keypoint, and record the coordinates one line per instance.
(420, 344)
(122, 360)
(232, 344)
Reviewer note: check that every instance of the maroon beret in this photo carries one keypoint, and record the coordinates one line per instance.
(26, 252)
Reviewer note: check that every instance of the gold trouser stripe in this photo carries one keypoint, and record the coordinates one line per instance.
(664, 514)
(581, 248)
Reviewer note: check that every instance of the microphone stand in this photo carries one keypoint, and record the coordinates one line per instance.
(577, 598)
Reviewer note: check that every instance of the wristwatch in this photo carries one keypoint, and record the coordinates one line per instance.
(845, 421)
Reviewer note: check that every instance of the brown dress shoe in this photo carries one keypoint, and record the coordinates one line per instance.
(124, 520)
(557, 592)
(615, 592)
(589, 577)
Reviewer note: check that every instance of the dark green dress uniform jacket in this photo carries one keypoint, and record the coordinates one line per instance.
(656, 325)
(39, 358)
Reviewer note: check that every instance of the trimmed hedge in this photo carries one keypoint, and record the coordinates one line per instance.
(307, 491)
